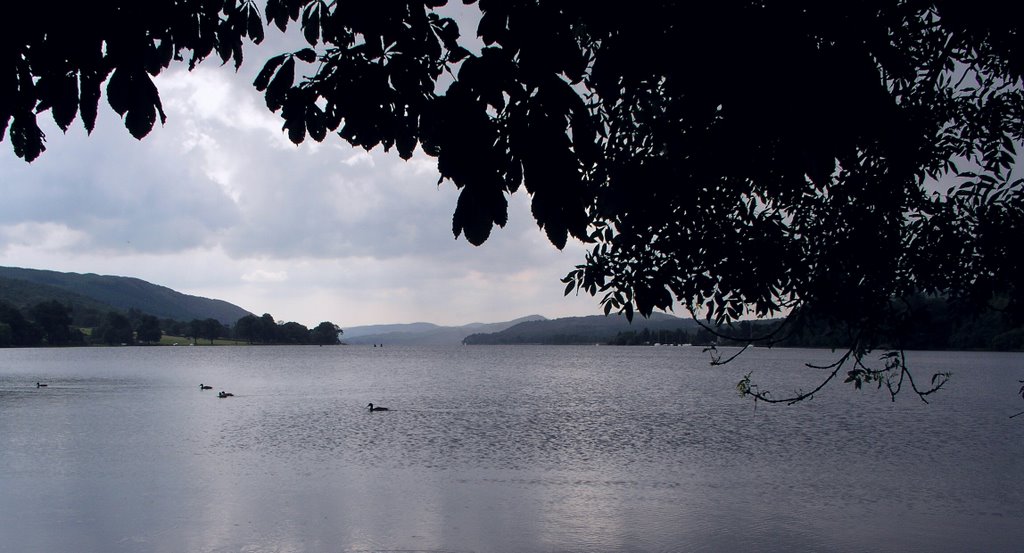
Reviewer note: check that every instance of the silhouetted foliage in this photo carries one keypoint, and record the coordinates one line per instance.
(54, 319)
(211, 329)
(731, 158)
(194, 330)
(264, 330)
(326, 333)
(245, 328)
(292, 333)
(148, 329)
(15, 330)
(115, 329)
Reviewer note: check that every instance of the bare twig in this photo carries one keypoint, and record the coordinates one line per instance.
(746, 388)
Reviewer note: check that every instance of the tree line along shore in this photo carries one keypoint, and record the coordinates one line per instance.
(52, 323)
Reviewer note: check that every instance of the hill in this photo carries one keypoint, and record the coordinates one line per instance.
(423, 334)
(26, 287)
(595, 329)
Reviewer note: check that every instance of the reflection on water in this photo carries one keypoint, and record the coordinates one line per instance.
(496, 449)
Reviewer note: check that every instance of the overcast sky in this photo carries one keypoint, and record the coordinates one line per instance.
(218, 203)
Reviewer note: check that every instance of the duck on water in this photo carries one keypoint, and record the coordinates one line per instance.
(372, 408)
(205, 387)
(222, 393)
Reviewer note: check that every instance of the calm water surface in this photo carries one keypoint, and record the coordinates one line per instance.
(497, 449)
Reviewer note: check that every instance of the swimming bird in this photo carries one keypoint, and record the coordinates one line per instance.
(372, 408)
(38, 385)
(225, 394)
(205, 387)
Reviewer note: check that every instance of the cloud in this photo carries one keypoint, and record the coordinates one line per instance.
(260, 275)
(217, 202)
(41, 236)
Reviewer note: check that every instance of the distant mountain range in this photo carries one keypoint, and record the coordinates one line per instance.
(595, 329)
(24, 288)
(421, 334)
(534, 329)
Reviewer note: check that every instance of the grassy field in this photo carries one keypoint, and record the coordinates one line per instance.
(167, 340)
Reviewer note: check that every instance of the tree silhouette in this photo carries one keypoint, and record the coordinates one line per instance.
(54, 318)
(732, 158)
(115, 329)
(325, 333)
(148, 329)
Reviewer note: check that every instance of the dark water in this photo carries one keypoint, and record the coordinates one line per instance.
(494, 449)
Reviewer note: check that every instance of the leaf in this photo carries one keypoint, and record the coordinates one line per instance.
(316, 122)
(253, 24)
(59, 93)
(277, 13)
(307, 55)
(140, 120)
(120, 90)
(492, 26)
(405, 133)
(457, 54)
(163, 54)
(65, 107)
(278, 88)
(294, 6)
(89, 98)
(236, 52)
(311, 23)
(145, 106)
(448, 31)
(479, 207)
(263, 78)
(294, 113)
(27, 138)
(469, 219)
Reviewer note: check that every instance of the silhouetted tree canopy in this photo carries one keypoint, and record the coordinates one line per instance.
(732, 158)
(148, 329)
(115, 329)
(54, 319)
(325, 333)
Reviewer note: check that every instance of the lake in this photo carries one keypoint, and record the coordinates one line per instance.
(498, 449)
